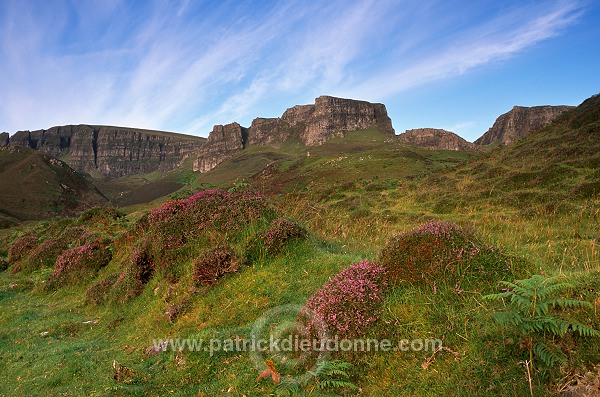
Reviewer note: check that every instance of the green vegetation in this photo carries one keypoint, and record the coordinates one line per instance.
(532, 301)
(426, 235)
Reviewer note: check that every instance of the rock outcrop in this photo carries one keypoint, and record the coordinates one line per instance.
(4, 139)
(436, 139)
(223, 142)
(314, 124)
(311, 125)
(111, 151)
(519, 123)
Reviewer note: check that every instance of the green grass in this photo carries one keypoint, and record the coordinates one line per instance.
(352, 195)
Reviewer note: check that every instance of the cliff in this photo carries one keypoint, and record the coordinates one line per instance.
(223, 142)
(436, 139)
(111, 151)
(519, 123)
(312, 125)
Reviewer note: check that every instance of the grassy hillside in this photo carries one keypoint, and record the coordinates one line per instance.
(385, 241)
(37, 186)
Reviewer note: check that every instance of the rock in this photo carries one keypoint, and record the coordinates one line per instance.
(520, 122)
(436, 139)
(312, 125)
(223, 142)
(111, 151)
(333, 116)
(4, 137)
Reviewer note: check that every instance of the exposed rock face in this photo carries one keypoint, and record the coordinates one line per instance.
(223, 142)
(436, 139)
(111, 151)
(4, 139)
(314, 124)
(333, 116)
(520, 122)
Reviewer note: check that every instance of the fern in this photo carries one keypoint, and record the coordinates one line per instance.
(533, 311)
(327, 376)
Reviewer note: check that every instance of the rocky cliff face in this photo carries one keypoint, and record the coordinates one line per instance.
(314, 124)
(4, 139)
(111, 151)
(520, 122)
(223, 142)
(436, 139)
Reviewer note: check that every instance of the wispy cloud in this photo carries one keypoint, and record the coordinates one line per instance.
(490, 41)
(189, 65)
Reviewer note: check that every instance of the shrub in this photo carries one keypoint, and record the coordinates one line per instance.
(207, 215)
(80, 262)
(274, 240)
(215, 209)
(280, 232)
(21, 247)
(440, 248)
(47, 251)
(349, 302)
(103, 215)
(45, 254)
(214, 263)
(136, 274)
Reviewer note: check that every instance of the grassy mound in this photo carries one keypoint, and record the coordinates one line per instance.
(79, 263)
(441, 251)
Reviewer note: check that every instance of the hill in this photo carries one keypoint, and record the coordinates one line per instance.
(554, 167)
(111, 152)
(37, 186)
(519, 122)
(361, 237)
(436, 139)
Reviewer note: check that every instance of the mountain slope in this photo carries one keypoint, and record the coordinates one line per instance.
(35, 185)
(436, 139)
(519, 122)
(553, 167)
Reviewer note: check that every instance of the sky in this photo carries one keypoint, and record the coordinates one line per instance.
(186, 65)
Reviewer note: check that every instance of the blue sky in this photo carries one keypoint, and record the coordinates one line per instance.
(187, 65)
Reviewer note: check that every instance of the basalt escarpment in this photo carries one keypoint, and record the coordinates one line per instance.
(519, 122)
(111, 151)
(4, 138)
(310, 125)
(223, 142)
(436, 139)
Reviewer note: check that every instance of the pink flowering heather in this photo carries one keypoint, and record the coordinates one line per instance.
(79, 262)
(281, 231)
(214, 211)
(435, 249)
(349, 302)
(21, 247)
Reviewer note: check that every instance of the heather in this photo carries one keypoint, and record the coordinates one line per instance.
(212, 264)
(350, 302)
(21, 247)
(129, 283)
(80, 262)
(441, 251)
(280, 235)
(179, 227)
(356, 248)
